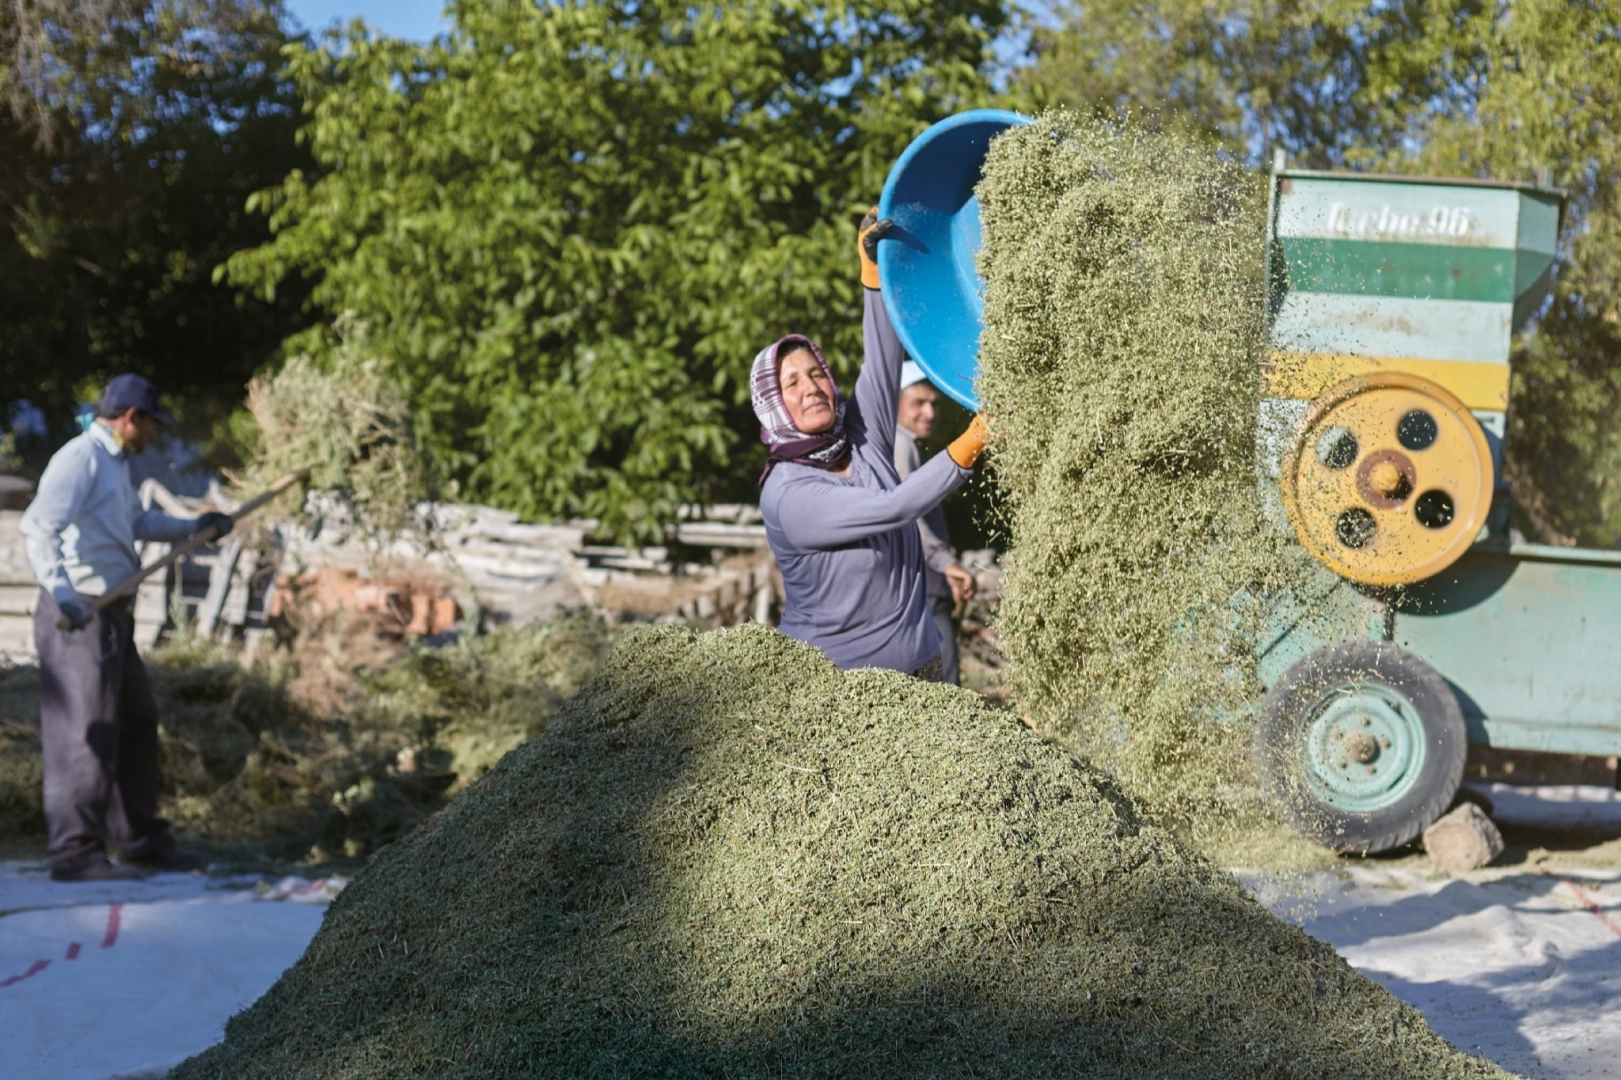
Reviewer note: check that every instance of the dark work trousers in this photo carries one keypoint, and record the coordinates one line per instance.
(98, 727)
(940, 608)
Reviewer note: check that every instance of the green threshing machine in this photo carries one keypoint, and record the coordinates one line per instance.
(1394, 302)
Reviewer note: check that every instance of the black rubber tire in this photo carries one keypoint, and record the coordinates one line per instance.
(1285, 717)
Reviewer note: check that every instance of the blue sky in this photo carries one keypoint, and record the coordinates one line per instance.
(416, 19)
(420, 20)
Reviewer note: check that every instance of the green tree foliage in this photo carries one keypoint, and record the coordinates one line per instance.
(48, 44)
(124, 176)
(1546, 76)
(1325, 79)
(1480, 88)
(570, 226)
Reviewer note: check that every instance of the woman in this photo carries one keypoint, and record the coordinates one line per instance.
(842, 525)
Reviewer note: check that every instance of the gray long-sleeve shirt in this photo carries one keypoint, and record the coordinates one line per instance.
(81, 528)
(931, 527)
(848, 546)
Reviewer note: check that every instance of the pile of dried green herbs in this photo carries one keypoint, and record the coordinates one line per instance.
(281, 762)
(22, 808)
(347, 421)
(725, 857)
(1124, 326)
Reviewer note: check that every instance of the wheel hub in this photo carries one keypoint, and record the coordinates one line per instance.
(1361, 747)
(1364, 747)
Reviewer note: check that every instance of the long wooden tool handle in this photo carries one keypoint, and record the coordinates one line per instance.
(191, 544)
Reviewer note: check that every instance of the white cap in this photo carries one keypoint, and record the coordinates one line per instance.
(911, 375)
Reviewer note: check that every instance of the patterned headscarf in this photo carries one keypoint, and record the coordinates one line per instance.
(829, 449)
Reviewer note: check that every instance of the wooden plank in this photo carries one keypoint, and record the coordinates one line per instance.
(219, 583)
(253, 636)
(714, 534)
(235, 611)
(17, 637)
(154, 493)
(151, 599)
(645, 565)
(512, 568)
(252, 639)
(491, 549)
(18, 599)
(552, 536)
(603, 551)
(453, 517)
(14, 568)
(734, 513)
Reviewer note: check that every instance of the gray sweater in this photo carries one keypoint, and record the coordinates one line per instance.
(848, 546)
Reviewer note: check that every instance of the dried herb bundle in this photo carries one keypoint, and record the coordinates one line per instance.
(1124, 325)
(348, 421)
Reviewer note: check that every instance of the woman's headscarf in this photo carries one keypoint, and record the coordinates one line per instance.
(827, 450)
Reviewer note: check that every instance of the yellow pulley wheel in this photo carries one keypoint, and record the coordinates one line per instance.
(1390, 481)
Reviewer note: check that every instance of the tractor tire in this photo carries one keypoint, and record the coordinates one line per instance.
(1360, 746)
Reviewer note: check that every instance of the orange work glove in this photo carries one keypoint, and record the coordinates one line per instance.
(966, 448)
(872, 230)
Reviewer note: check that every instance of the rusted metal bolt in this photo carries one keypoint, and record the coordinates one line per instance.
(1387, 479)
(1361, 747)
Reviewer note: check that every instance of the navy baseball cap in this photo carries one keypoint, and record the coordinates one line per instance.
(132, 391)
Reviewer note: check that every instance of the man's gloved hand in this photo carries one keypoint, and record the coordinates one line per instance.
(76, 613)
(220, 523)
(966, 448)
(872, 230)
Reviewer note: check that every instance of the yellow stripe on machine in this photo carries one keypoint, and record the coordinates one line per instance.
(1304, 376)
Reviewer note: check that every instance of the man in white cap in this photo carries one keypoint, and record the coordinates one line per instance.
(948, 583)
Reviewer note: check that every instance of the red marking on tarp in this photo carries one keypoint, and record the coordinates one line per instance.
(1587, 902)
(34, 969)
(115, 917)
(1592, 905)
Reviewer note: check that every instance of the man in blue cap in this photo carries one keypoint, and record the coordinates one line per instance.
(98, 719)
(948, 583)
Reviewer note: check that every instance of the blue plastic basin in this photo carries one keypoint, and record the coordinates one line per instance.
(931, 286)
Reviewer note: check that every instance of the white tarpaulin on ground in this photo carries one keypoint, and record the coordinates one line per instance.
(119, 978)
(1561, 806)
(1520, 966)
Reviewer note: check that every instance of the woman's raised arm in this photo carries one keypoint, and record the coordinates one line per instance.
(818, 515)
(878, 389)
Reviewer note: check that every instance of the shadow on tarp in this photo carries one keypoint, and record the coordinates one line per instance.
(1487, 1010)
(1418, 912)
(1488, 1013)
(1461, 1012)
